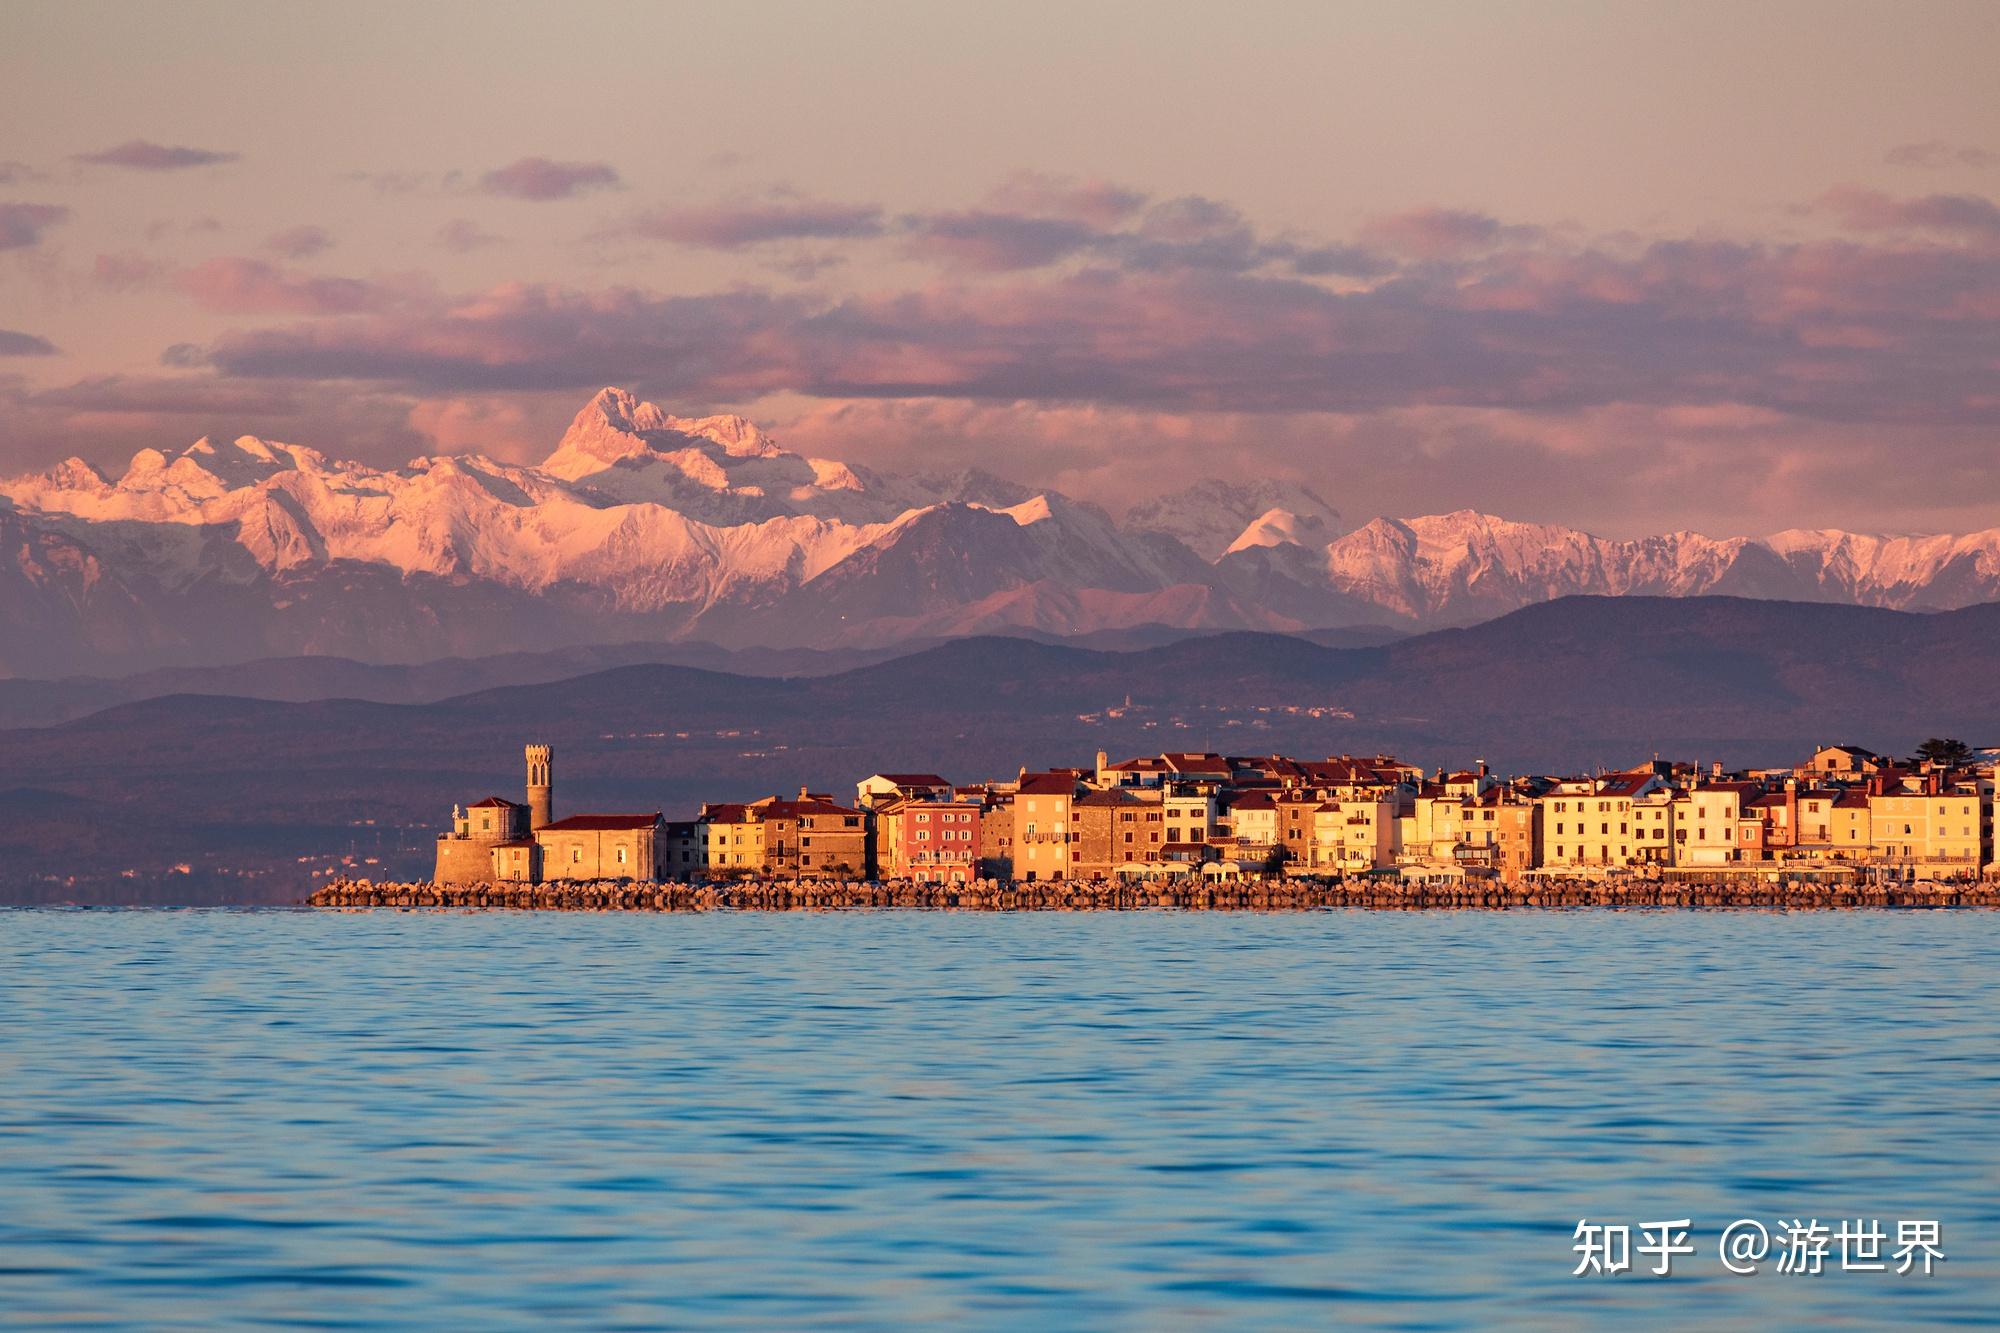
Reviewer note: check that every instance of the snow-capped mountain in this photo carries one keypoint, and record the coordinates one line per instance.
(641, 524)
(1466, 566)
(1214, 517)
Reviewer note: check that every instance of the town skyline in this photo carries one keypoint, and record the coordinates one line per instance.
(1844, 810)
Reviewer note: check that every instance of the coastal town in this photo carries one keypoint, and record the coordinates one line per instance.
(1840, 813)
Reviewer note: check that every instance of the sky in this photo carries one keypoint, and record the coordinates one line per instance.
(1633, 267)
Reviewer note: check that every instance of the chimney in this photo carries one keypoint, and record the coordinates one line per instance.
(803, 793)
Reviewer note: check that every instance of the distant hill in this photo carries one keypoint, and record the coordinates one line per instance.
(26, 702)
(240, 789)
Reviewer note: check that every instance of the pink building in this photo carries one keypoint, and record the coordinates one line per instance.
(939, 840)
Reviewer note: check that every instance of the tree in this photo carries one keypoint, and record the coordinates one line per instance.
(1944, 752)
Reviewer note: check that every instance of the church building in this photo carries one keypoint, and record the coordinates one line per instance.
(496, 840)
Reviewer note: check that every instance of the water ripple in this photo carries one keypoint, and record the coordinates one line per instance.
(403, 1120)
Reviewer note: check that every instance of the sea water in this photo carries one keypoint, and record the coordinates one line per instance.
(1138, 1120)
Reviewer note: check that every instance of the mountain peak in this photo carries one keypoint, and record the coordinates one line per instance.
(1213, 517)
(1278, 526)
(616, 425)
(73, 474)
(621, 409)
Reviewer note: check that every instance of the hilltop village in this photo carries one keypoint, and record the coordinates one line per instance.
(1212, 816)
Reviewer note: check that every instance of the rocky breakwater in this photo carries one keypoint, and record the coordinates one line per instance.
(1254, 895)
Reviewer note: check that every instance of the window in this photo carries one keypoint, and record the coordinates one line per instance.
(621, 856)
(923, 817)
(576, 856)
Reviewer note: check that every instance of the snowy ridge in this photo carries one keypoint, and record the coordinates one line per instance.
(645, 524)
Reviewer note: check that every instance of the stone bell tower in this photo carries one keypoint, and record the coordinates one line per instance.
(541, 786)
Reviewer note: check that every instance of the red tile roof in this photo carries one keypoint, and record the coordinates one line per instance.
(495, 803)
(600, 823)
(1048, 784)
(795, 809)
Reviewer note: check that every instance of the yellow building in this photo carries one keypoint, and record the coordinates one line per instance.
(1253, 818)
(602, 847)
(1849, 826)
(1707, 824)
(732, 839)
(1590, 824)
(1045, 836)
(1190, 821)
(1930, 830)
(1653, 827)
(1354, 835)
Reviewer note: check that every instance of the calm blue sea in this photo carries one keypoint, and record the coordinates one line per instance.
(286, 1119)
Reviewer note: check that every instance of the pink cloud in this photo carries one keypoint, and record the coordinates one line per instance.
(1861, 209)
(1435, 233)
(1824, 330)
(252, 287)
(22, 225)
(141, 155)
(106, 418)
(13, 343)
(1100, 203)
(407, 182)
(998, 242)
(301, 242)
(1935, 153)
(542, 179)
(516, 429)
(736, 226)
